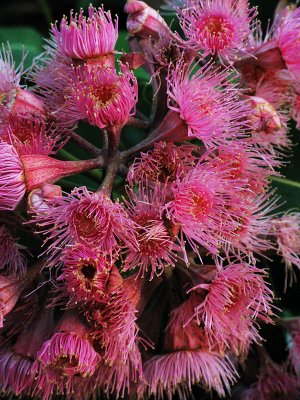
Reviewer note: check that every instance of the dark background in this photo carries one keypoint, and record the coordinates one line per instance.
(37, 13)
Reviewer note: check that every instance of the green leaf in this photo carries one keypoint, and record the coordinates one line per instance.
(122, 42)
(23, 41)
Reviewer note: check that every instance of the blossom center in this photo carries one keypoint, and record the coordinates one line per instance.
(85, 225)
(200, 203)
(217, 27)
(105, 94)
(88, 271)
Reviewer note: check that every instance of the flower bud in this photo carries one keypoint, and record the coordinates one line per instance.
(263, 116)
(144, 21)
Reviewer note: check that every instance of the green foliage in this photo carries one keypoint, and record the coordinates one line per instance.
(23, 41)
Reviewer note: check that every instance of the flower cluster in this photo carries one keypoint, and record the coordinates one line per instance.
(149, 279)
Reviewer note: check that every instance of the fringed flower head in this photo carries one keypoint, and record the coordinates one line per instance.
(17, 356)
(114, 321)
(14, 99)
(287, 36)
(251, 218)
(12, 185)
(287, 234)
(177, 372)
(88, 37)
(10, 291)
(199, 207)
(208, 102)
(89, 219)
(164, 163)
(236, 297)
(66, 355)
(31, 135)
(275, 381)
(248, 166)
(12, 258)
(217, 27)
(85, 274)
(156, 247)
(105, 98)
(53, 78)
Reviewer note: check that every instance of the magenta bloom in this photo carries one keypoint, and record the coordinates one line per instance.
(9, 78)
(119, 378)
(30, 135)
(199, 207)
(180, 370)
(248, 166)
(53, 79)
(17, 356)
(114, 321)
(164, 163)
(274, 382)
(219, 27)
(104, 97)
(236, 297)
(12, 258)
(287, 233)
(12, 185)
(67, 355)
(89, 219)
(208, 102)
(249, 214)
(156, 248)
(10, 291)
(85, 273)
(87, 37)
(287, 35)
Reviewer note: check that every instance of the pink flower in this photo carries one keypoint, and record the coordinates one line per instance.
(12, 185)
(65, 356)
(219, 27)
(85, 273)
(248, 166)
(235, 298)
(9, 78)
(14, 99)
(119, 379)
(178, 371)
(114, 321)
(104, 97)
(164, 163)
(53, 84)
(274, 382)
(199, 206)
(12, 258)
(287, 35)
(87, 37)
(31, 135)
(156, 248)
(89, 219)
(10, 291)
(287, 234)
(17, 372)
(208, 102)
(249, 213)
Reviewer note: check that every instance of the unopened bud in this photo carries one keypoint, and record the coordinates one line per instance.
(263, 117)
(144, 21)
